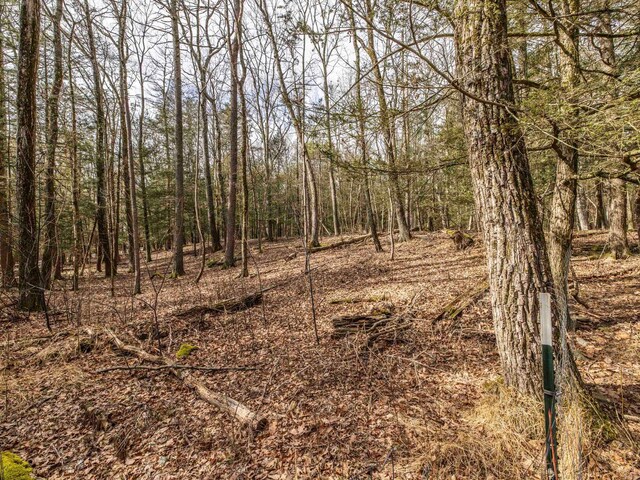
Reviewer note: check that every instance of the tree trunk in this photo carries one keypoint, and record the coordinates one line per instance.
(143, 181)
(229, 254)
(503, 188)
(178, 229)
(31, 295)
(582, 209)
(387, 131)
(6, 254)
(50, 254)
(211, 209)
(362, 142)
(101, 188)
(244, 157)
(601, 217)
(564, 196)
(130, 179)
(75, 177)
(618, 219)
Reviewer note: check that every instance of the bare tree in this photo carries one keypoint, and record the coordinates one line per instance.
(29, 280)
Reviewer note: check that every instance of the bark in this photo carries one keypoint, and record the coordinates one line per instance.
(50, 254)
(387, 131)
(503, 188)
(6, 254)
(100, 150)
(29, 281)
(601, 217)
(178, 229)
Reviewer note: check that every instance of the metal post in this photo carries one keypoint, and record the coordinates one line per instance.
(546, 333)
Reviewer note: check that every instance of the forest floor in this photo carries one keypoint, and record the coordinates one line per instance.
(428, 406)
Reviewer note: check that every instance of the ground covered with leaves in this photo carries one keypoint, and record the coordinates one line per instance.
(421, 402)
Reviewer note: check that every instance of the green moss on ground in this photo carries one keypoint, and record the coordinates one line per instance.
(185, 350)
(14, 468)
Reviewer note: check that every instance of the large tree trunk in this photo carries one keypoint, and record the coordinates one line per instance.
(503, 188)
(178, 229)
(31, 295)
(6, 254)
(101, 188)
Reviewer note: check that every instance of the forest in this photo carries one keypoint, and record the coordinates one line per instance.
(331, 239)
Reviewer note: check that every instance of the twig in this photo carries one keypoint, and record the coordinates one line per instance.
(179, 367)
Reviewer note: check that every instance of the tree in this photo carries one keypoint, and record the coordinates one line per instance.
(29, 280)
(100, 152)
(178, 229)
(6, 252)
(50, 254)
(514, 240)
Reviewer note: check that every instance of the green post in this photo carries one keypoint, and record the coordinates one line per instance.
(546, 334)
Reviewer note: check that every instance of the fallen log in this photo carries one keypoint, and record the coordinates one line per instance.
(455, 308)
(461, 240)
(227, 404)
(341, 243)
(229, 305)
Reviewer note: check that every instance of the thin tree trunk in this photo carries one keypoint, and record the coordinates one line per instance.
(75, 176)
(211, 209)
(618, 220)
(178, 229)
(31, 294)
(143, 181)
(362, 142)
(387, 131)
(563, 207)
(244, 157)
(101, 189)
(229, 254)
(6, 254)
(50, 254)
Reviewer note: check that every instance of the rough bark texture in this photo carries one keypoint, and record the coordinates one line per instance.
(503, 189)
(31, 296)
(178, 229)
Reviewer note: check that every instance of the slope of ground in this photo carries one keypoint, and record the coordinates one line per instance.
(338, 409)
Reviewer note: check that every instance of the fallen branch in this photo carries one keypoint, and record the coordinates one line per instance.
(178, 367)
(228, 405)
(224, 306)
(383, 326)
(455, 308)
(341, 243)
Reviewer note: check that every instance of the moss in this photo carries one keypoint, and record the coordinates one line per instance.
(14, 468)
(185, 350)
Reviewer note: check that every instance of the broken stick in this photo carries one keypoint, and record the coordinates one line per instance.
(455, 308)
(228, 405)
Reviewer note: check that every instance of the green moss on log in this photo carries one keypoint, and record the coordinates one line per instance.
(14, 468)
